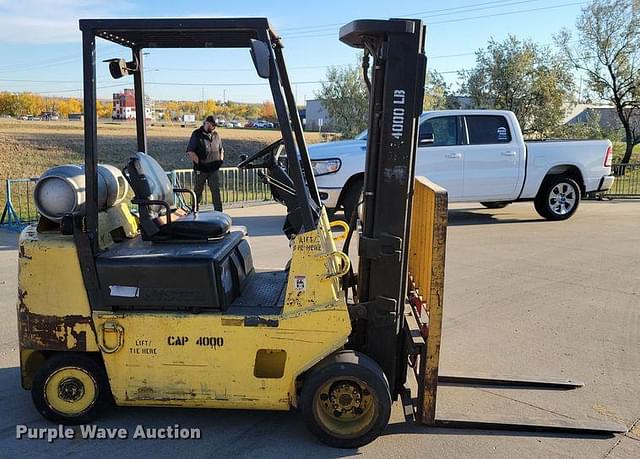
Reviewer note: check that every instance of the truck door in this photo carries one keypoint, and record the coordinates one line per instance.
(441, 161)
(492, 159)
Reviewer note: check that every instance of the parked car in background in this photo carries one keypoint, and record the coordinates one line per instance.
(262, 124)
(478, 156)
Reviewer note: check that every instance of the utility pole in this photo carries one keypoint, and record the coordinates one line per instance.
(203, 102)
(580, 91)
(224, 96)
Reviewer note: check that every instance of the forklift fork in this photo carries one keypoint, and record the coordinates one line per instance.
(423, 325)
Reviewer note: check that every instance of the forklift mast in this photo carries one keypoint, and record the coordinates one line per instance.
(396, 93)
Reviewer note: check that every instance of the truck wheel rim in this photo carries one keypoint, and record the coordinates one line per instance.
(562, 198)
(345, 407)
(70, 391)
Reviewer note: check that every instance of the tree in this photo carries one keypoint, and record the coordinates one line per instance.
(523, 77)
(436, 92)
(66, 106)
(590, 129)
(268, 110)
(607, 50)
(104, 109)
(346, 99)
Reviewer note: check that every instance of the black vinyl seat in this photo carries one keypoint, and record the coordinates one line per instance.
(159, 218)
(199, 225)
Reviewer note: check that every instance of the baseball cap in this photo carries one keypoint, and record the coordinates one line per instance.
(211, 120)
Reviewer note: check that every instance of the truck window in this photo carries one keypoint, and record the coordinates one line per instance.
(488, 129)
(444, 130)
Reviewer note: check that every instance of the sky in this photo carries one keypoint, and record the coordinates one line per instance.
(40, 43)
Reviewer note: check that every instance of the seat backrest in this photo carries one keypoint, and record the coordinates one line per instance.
(149, 180)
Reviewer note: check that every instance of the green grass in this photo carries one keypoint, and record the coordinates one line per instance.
(618, 153)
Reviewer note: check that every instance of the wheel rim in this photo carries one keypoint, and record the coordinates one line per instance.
(345, 407)
(562, 198)
(70, 391)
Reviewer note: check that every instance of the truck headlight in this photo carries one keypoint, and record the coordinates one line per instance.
(325, 166)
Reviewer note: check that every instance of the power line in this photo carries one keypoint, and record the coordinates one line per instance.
(305, 67)
(448, 21)
(438, 12)
(510, 12)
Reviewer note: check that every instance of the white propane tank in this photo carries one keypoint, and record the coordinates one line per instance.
(61, 190)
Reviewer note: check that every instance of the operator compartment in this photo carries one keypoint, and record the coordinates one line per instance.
(183, 259)
(168, 255)
(196, 276)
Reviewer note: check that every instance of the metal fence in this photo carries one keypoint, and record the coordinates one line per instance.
(19, 208)
(237, 186)
(627, 182)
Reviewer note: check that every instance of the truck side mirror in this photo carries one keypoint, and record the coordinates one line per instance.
(261, 57)
(426, 138)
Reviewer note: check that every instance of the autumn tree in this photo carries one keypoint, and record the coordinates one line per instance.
(69, 105)
(268, 110)
(18, 104)
(531, 81)
(104, 108)
(607, 50)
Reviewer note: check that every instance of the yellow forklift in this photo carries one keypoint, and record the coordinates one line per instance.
(164, 307)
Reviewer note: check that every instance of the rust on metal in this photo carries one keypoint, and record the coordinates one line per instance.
(54, 333)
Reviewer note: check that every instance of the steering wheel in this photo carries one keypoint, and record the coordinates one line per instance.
(247, 162)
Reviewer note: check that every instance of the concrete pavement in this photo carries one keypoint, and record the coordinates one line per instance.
(522, 297)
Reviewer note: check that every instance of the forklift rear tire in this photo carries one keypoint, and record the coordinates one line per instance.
(345, 400)
(70, 389)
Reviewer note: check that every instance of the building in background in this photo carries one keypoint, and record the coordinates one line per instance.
(124, 106)
(582, 113)
(316, 116)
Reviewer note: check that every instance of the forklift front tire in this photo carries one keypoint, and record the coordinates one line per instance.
(345, 400)
(70, 389)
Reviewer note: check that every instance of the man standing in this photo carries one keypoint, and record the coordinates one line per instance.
(206, 152)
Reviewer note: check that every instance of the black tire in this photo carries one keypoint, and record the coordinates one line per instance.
(359, 389)
(558, 198)
(496, 204)
(85, 377)
(352, 197)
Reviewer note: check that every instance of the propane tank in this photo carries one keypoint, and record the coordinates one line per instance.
(61, 190)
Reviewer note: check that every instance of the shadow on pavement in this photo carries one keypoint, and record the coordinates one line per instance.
(8, 239)
(462, 217)
(408, 427)
(224, 433)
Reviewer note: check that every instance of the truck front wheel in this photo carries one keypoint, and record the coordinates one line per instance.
(558, 198)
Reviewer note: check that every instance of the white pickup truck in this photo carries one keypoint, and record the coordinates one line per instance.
(478, 156)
